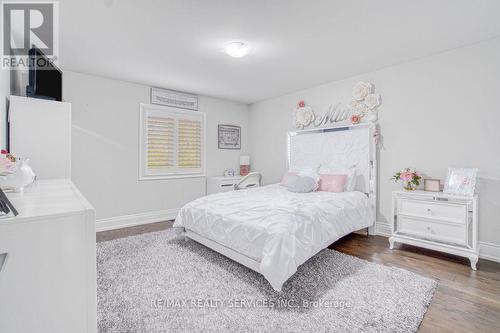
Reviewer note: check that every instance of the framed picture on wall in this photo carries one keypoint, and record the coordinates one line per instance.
(174, 99)
(229, 137)
(460, 181)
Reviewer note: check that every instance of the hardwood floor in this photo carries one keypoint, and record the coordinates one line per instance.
(465, 300)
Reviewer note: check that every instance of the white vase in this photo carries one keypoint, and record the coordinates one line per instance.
(18, 180)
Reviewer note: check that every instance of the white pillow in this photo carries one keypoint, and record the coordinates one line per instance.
(310, 172)
(350, 184)
(307, 171)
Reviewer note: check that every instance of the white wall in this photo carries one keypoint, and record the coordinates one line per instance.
(105, 147)
(437, 112)
(4, 92)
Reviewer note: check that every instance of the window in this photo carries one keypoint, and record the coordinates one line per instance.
(172, 142)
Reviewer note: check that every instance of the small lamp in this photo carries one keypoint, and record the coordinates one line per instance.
(244, 165)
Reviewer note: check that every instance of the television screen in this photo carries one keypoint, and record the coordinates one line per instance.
(45, 79)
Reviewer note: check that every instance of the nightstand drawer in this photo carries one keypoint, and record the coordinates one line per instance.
(428, 229)
(456, 213)
(226, 186)
(221, 184)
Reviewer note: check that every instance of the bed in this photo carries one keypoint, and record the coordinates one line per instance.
(274, 231)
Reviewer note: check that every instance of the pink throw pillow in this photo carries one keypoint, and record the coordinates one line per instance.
(332, 183)
(286, 176)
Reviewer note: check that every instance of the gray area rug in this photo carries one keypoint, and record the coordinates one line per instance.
(158, 282)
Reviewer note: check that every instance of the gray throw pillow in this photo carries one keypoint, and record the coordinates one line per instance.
(301, 184)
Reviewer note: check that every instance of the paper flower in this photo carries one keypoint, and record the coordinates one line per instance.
(355, 119)
(372, 101)
(304, 117)
(353, 105)
(361, 90)
(358, 107)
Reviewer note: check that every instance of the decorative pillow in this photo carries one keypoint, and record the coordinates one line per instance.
(332, 183)
(287, 176)
(310, 172)
(302, 172)
(301, 184)
(350, 184)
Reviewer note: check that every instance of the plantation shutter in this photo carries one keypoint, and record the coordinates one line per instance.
(189, 144)
(160, 142)
(172, 142)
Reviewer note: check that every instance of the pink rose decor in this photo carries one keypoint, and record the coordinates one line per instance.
(409, 177)
(355, 119)
(7, 163)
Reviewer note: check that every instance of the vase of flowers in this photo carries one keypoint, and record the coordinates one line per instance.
(15, 173)
(409, 177)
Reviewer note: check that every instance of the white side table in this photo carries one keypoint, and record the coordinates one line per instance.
(436, 221)
(221, 184)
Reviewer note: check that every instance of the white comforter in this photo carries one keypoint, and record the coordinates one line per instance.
(278, 228)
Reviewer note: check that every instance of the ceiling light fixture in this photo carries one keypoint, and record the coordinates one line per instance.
(236, 49)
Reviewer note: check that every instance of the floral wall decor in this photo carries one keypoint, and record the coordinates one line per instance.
(365, 103)
(304, 115)
(362, 108)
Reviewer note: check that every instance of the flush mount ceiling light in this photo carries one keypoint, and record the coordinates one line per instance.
(236, 49)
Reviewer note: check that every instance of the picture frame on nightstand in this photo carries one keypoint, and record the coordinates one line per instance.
(460, 181)
(432, 185)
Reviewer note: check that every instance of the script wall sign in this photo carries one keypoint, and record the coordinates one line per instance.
(362, 108)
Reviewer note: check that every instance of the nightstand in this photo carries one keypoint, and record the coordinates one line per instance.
(221, 184)
(436, 221)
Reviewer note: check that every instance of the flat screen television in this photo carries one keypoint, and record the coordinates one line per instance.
(45, 79)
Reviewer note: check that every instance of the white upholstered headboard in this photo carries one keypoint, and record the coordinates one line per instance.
(342, 146)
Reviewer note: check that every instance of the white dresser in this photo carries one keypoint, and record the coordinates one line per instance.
(436, 221)
(221, 184)
(48, 261)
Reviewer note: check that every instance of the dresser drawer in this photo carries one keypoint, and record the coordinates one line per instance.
(433, 230)
(456, 213)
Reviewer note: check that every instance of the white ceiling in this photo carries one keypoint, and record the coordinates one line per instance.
(177, 44)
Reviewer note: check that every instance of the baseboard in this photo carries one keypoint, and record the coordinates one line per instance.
(135, 219)
(489, 251)
(383, 229)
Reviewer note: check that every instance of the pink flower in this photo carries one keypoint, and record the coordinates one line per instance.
(5, 165)
(406, 176)
(301, 104)
(355, 119)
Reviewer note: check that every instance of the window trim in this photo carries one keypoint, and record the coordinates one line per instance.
(142, 170)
